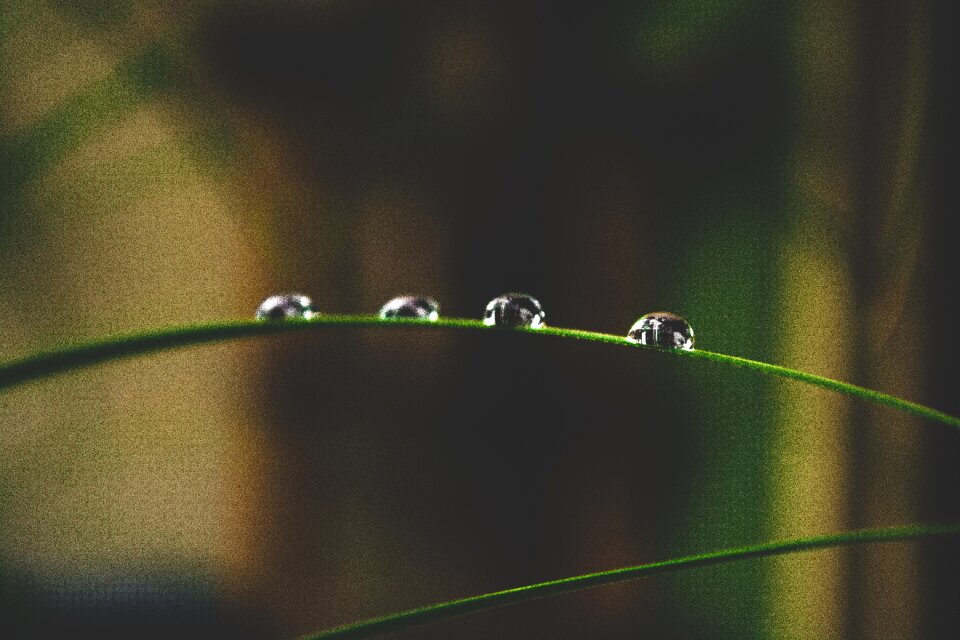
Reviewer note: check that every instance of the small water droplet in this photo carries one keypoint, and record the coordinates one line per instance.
(287, 305)
(662, 329)
(417, 307)
(514, 310)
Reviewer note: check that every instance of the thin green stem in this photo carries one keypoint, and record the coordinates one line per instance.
(442, 610)
(70, 357)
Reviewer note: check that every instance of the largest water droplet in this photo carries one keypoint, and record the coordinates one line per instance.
(283, 306)
(514, 310)
(662, 329)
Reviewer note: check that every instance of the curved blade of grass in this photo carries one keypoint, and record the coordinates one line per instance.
(69, 357)
(439, 611)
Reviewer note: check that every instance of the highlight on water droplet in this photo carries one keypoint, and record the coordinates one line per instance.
(662, 329)
(415, 307)
(514, 310)
(284, 306)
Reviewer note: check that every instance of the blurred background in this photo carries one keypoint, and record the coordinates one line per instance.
(774, 172)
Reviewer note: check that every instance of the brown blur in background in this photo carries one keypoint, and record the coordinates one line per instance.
(774, 172)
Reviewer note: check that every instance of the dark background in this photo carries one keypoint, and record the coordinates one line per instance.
(779, 175)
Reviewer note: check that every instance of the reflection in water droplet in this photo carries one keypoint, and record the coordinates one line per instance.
(288, 305)
(418, 307)
(662, 329)
(514, 310)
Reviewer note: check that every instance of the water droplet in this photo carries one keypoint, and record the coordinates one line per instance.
(662, 329)
(287, 305)
(514, 310)
(417, 307)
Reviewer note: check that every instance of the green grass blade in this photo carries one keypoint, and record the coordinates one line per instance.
(442, 610)
(69, 357)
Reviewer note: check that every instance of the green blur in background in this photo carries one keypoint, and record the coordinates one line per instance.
(769, 171)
